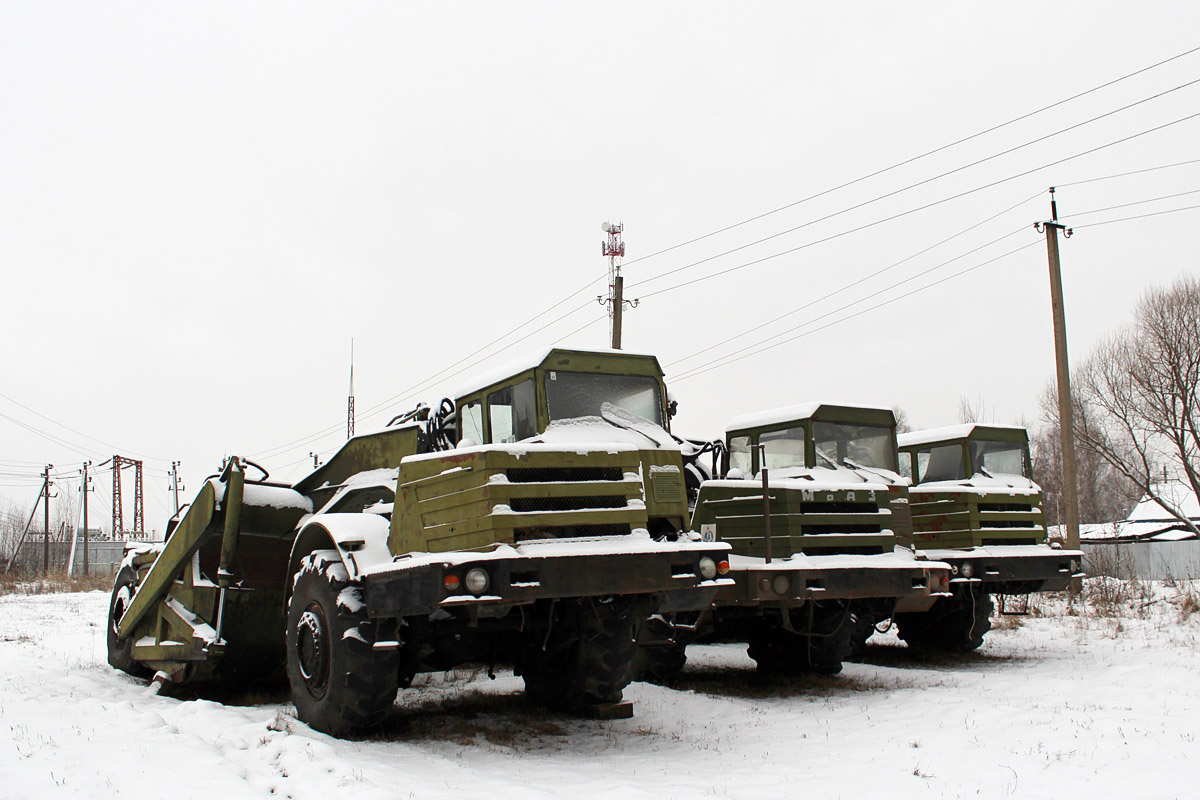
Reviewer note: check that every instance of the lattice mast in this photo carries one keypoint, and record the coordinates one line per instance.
(118, 515)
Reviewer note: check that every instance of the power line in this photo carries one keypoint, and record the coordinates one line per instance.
(732, 359)
(78, 433)
(1139, 216)
(414, 389)
(918, 208)
(1126, 174)
(895, 192)
(915, 158)
(1134, 203)
(865, 278)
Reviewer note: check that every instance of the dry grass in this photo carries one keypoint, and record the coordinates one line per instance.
(54, 583)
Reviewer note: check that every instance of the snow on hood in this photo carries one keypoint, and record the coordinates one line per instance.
(596, 430)
(1000, 480)
(810, 480)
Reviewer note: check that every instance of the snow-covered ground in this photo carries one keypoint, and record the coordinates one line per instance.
(1051, 706)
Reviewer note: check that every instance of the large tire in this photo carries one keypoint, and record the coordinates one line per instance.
(339, 682)
(661, 663)
(586, 660)
(821, 649)
(954, 624)
(120, 651)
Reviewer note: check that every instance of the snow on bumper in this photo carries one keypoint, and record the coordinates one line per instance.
(422, 583)
(1012, 569)
(917, 582)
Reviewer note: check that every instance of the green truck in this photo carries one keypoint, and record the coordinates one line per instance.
(973, 504)
(537, 518)
(804, 498)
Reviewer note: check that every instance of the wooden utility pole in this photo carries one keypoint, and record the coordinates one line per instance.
(86, 537)
(1066, 415)
(46, 538)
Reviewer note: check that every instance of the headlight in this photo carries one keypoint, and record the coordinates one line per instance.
(780, 584)
(708, 568)
(967, 569)
(1075, 565)
(476, 580)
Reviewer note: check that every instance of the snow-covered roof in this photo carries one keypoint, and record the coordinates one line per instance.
(1178, 494)
(777, 416)
(1150, 521)
(532, 360)
(948, 432)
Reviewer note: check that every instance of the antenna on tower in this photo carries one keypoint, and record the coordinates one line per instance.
(614, 249)
(350, 399)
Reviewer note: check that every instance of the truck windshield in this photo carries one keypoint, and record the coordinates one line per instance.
(999, 457)
(864, 445)
(580, 394)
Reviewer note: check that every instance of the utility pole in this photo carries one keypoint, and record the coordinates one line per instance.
(46, 510)
(175, 483)
(614, 249)
(1066, 414)
(86, 537)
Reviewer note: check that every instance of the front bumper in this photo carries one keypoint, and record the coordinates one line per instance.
(791, 581)
(416, 584)
(1012, 569)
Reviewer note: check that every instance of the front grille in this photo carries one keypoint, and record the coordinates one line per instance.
(527, 504)
(843, 551)
(1007, 523)
(846, 527)
(842, 507)
(570, 532)
(563, 474)
(1022, 507)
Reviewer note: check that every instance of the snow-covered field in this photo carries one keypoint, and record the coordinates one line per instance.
(1052, 706)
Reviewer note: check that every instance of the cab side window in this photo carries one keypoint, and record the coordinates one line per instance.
(739, 453)
(471, 426)
(512, 413)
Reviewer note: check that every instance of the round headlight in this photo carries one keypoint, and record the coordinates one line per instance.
(476, 580)
(954, 569)
(708, 568)
(967, 569)
(780, 584)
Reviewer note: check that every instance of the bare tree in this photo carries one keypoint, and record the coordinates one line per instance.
(1103, 494)
(1139, 392)
(902, 423)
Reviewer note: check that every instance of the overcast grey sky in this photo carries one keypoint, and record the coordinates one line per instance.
(201, 204)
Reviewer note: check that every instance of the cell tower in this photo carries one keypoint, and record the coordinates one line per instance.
(614, 249)
(350, 399)
(118, 517)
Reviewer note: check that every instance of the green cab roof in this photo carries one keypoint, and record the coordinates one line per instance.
(970, 431)
(621, 362)
(827, 412)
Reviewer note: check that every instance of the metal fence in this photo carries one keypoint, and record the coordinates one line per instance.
(1157, 561)
(104, 556)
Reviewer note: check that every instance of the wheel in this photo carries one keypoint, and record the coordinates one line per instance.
(820, 648)
(954, 624)
(120, 651)
(661, 663)
(339, 682)
(586, 660)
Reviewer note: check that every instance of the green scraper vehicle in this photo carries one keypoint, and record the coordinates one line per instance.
(535, 520)
(974, 505)
(804, 499)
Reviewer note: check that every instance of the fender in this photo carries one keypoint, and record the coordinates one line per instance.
(359, 539)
